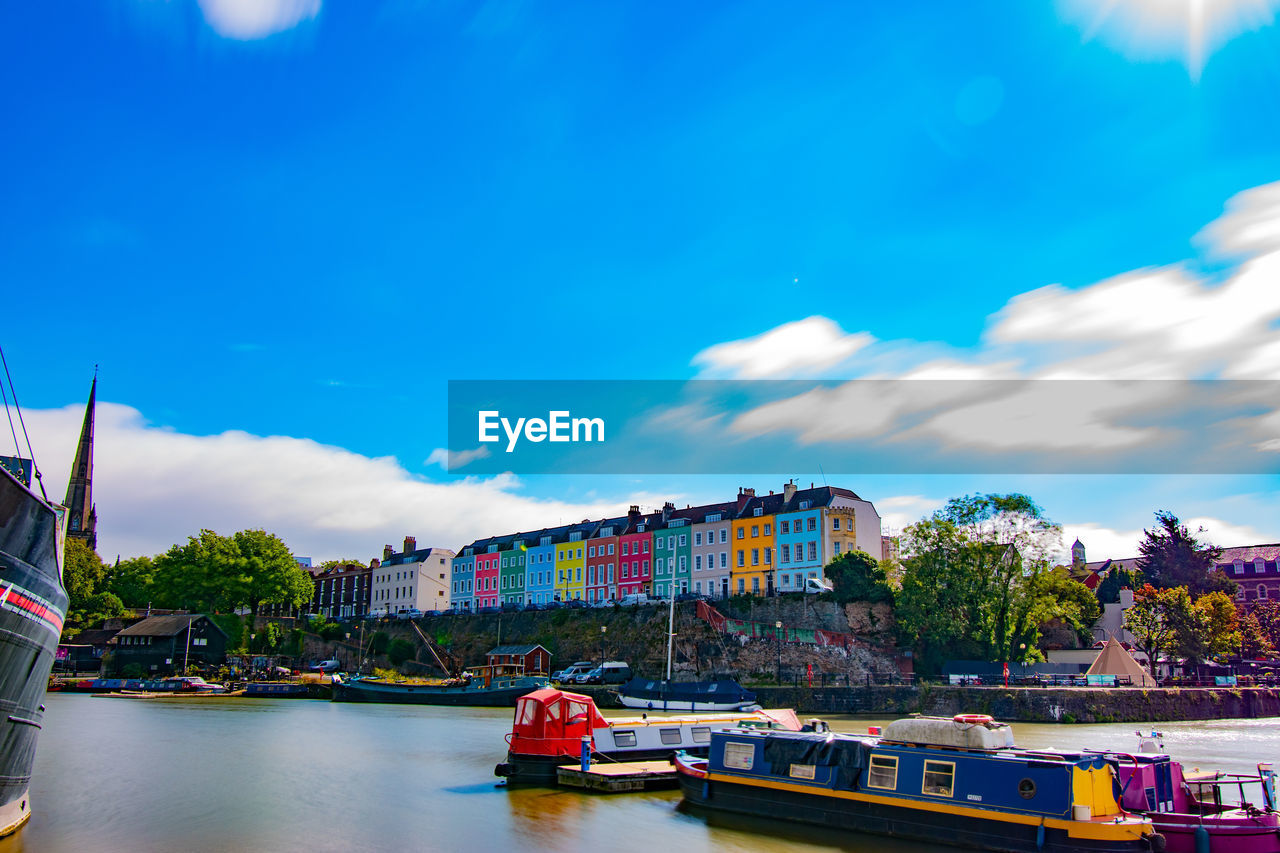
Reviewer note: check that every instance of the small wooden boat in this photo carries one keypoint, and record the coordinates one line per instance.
(943, 781)
(551, 726)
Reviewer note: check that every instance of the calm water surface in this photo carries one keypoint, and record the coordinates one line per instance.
(301, 775)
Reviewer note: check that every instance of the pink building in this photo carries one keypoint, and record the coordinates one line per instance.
(635, 555)
(487, 573)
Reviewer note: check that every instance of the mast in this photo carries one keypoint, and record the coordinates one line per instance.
(671, 624)
(82, 515)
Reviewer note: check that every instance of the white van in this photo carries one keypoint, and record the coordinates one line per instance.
(816, 585)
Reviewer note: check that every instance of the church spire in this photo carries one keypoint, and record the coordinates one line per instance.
(83, 517)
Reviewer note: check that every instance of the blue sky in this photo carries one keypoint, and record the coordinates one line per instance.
(281, 227)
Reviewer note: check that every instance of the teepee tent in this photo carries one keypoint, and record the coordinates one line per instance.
(1114, 660)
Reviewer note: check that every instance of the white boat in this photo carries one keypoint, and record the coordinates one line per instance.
(651, 695)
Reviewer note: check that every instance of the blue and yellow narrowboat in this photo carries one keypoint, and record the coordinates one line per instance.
(955, 781)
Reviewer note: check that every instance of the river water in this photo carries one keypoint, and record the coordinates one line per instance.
(303, 775)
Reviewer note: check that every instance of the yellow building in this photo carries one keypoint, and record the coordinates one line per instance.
(569, 567)
(754, 543)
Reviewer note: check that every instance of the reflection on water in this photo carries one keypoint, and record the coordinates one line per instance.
(300, 775)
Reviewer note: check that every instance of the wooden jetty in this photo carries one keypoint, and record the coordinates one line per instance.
(611, 777)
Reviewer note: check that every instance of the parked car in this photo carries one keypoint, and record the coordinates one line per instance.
(635, 599)
(611, 672)
(571, 671)
(575, 603)
(553, 605)
(489, 610)
(816, 585)
(413, 613)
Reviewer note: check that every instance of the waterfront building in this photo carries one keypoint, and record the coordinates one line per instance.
(413, 579)
(487, 574)
(82, 515)
(532, 659)
(1255, 569)
(711, 527)
(801, 549)
(571, 561)
(671, 567)
(511, 565)
(602, 560)
(462, 588)
(161, 645)
(540, 561)
(635, 554)
(342, 591)
(754, 541)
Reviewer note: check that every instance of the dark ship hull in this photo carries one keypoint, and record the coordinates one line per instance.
(33, 604)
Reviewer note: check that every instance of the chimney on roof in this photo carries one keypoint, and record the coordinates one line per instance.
(667, 509)
(373, 564)
(788, 491)
(410, 544)
(633, 512)
(744, 495)
(811, 485)
(387, 551)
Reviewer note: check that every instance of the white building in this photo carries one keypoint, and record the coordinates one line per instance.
(413, 579)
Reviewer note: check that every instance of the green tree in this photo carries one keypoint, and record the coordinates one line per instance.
(1060, 597)
(379, 642)
(131, 580)
(971, 582)
(1267, 615)
(1151, 621)
(1220, 622)
(1254, 642)
(1172, 556)
(400, 650)
(82, 572)
(220, 573)
(857, 576)
(1118, 578)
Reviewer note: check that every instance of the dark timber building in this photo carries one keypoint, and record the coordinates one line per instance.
(82, 522)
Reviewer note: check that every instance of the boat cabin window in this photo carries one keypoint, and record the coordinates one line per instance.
(627, 738)
(670, 736)
(576, 710)
(739, 756)
(939, 778)
(702, 734)
(883, 772)
(553, 711)
(527, 712)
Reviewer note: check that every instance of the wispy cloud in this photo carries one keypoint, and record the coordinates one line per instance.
(452, 460)
(155, 486)
(247, 20)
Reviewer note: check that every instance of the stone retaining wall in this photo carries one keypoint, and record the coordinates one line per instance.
(1032, 704)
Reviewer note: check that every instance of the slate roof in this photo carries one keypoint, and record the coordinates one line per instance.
(166, 626)
(515, 650)
(1249, 553)
(93, 637)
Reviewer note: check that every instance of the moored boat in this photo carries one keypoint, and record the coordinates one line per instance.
(653, 695)
(949, 781)
(1194, 810)
(550, 727)
(481, 686)
(33, 604)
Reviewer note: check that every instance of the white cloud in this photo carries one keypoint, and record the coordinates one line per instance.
(154, 487)
(255, 19)
(1100, 543)
(1224, 533)
(452, 460)
(799, 348)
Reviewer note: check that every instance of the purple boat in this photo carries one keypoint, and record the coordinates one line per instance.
(1199, 812)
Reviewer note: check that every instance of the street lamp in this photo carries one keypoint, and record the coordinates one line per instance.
(777, 633)
(603, 630)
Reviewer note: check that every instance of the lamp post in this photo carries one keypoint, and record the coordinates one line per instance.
(603, 630)
(777, 634)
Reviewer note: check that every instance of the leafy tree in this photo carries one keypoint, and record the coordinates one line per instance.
(132, 581)
(1267, 615)
(1220, 622)
(1147, 621)
(400, 650)
(1254, 642)
(221, 573)
(1061, 597)
(82, 572)
(378, 642)
(1108, 592)
(348, 561)
(1172, 556)
(857, 576)
(971, 582)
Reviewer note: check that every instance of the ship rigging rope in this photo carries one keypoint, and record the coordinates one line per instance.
(35, 469)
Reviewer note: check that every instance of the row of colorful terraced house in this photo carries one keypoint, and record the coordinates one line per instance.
(756, 544)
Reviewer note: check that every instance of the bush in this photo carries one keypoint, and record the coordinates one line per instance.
(378, 642)
(133, 670)
(399, 651)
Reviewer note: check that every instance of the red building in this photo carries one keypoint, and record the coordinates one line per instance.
(534, 660)
(635, 557)
(486, 581)
(342, 591)
(602, 560)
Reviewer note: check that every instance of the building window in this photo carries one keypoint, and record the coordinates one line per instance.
(813, 523)
(1262, 591)
(611, 549)
(742, 560)
(835, 548)
(785, 527)
(786, 554)
(724, 535)
(591, 551)
(697, 562)
(768, 556)
(755, 584)
(813, 550)
(835, 524)
(755, 556)
(758, 511)
(697, 538)
(742, 532)
(724, 559)
(755, 531)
